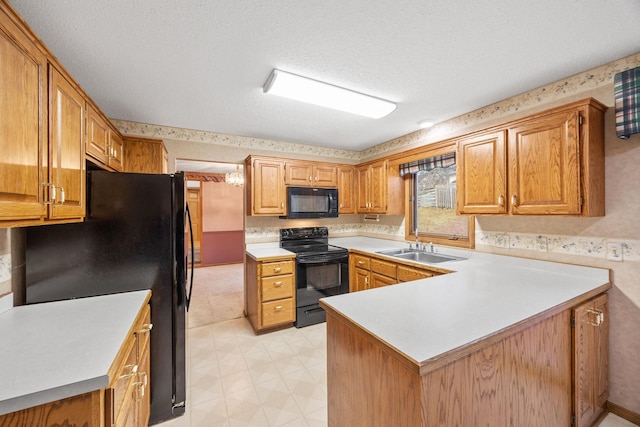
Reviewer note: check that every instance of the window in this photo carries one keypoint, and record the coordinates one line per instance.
(432, 185)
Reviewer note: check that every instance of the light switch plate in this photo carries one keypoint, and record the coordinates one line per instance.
(614, 251)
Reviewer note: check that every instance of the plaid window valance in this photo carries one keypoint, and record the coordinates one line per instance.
(626, 92)
(427, 164)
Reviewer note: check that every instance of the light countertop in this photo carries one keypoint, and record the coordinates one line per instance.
(55, 350)
(485, 294)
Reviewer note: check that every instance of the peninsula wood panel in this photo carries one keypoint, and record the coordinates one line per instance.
(82, 410)
(522, 380)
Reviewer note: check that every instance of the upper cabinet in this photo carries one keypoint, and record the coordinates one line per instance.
(379, 189)
(23, 143)
(104, 143)
(346, 189)
(66, 148)
(264, 181)
(550, 163)
(144, 155)
(309, 174)
(42, 167)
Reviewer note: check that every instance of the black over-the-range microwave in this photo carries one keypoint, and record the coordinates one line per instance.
(307, 202)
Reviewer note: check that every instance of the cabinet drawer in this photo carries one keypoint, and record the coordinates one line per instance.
(361, 261)
(277, 312)
(383, 267)
(277, 287)
(277, 268)
(407, 274)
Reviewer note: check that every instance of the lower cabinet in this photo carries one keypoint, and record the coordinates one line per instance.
(270, 291)
(590, 359)
(368, 272)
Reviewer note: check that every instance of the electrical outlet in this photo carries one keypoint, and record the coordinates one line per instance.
(614, 251)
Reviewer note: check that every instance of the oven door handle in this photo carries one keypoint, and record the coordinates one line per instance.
(321, 259)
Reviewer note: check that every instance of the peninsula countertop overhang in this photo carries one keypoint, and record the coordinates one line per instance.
(431, 320)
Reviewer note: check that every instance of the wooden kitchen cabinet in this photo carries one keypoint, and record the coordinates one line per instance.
(116, 150)
(346, 189)
(380, 189)
(482, 176)
(368, 272)
(66, 153)
(590, 359)
(24, 112)
(266, 191)
(270, 292)
(310, 174)
(104, 145)
(144, 155)
(551, 163)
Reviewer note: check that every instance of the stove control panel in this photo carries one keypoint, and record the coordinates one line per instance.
(303, 233)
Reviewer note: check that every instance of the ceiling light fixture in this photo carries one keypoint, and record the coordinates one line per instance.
(236, 178)
(426, 124)
(315, 92)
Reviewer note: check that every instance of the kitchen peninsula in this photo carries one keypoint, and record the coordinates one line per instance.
(490, 344)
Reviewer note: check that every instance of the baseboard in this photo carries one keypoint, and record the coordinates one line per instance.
(623, 413)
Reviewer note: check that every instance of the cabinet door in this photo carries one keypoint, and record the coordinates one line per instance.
(97, 136)
(267, 187)
(346, 189)
(482, 185)
(363, 189)
(544, 165)
(378, 187)
(298, 174)
(591, 359)
(66, 139)
(325, 176)
(116, 150)
(23, 111)
(361, 280)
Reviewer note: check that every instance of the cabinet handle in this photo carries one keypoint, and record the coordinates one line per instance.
(277, 284)
(310, 178)
(282, 205)
(52, 193)
(134, 371)
(62, 199)
(317, 179)
(366, 280)
(360, 262)
(599, 317)
(278, 308)
(277, 269)
(514, 200)
(501, 200)
(146, 327)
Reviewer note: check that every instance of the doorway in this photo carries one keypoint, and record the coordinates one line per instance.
(215, 194)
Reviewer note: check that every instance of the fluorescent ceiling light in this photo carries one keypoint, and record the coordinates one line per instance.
(316, 92)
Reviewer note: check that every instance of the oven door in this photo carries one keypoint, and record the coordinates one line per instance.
(319, 276)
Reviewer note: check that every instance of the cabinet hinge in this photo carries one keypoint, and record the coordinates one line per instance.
(573, 321)
(580, 120)
(573, 420)
(581, 201)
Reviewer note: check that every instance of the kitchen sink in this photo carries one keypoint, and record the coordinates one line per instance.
(420, 256)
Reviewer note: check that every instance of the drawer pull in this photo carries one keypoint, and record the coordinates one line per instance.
(277, 284)
(360, 262)
(278, 308)
(277, 269)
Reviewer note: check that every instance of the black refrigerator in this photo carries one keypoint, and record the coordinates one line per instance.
(132, 239)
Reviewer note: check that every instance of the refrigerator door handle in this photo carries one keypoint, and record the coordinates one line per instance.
(188, 294)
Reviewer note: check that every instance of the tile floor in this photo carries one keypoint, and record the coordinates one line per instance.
(235, 378)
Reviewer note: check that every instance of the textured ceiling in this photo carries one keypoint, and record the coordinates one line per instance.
(201, 64)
